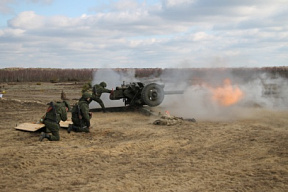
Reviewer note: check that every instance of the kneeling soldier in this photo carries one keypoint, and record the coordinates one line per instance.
(81, 115)
(54, 114)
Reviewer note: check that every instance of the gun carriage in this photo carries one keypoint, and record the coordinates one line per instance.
(137, 93)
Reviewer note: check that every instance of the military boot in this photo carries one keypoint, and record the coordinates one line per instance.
(81, 129)
(70, 128)
(43, 135)
(85, 129)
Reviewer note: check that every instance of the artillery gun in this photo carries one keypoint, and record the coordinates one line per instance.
(137, 94)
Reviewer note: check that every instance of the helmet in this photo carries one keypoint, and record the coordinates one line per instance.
(86, 95)
(103, 84)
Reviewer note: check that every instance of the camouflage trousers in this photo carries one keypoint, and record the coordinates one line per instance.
(98, 100)
(79, 125)
(52, 127)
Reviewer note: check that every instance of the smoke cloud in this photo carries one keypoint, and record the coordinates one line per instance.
(260, 91)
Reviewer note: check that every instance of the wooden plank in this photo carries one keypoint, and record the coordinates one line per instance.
(36, 126)
(30, 126)
(65, 124)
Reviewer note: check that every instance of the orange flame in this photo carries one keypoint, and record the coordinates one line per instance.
(227, 94)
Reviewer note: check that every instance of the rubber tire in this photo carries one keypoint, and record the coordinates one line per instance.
(152, 94)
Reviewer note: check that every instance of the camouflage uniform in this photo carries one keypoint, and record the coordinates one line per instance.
(80, 115)
(168, 120)
(55, 113)
(98, 89)
(171, 120)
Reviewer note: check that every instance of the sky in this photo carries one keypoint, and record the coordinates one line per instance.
(143, 34)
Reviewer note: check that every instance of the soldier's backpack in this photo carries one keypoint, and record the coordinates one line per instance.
(76, 111)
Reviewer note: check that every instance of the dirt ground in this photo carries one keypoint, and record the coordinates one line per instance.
(125, 151)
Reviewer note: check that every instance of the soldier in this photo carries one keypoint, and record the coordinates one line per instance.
(98, 89)
(54, 114)
(81, 115)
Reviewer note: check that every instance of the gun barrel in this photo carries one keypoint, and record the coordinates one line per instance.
(173, 92)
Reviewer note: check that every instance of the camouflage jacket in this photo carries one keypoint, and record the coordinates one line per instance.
(81, 107)
(56, 112)
(98, 90)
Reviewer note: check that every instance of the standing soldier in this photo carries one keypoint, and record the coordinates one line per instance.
(98, 89)
(81, 115)
(55, 113)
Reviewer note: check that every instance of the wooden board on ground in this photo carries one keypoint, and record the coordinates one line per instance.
(37, 126)
(65, 124)
(30, 126)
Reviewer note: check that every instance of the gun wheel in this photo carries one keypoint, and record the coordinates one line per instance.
(152, 94)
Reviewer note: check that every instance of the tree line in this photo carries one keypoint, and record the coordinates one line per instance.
(66, 75)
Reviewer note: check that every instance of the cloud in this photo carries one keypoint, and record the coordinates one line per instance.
(169, 33)
(27, 20)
